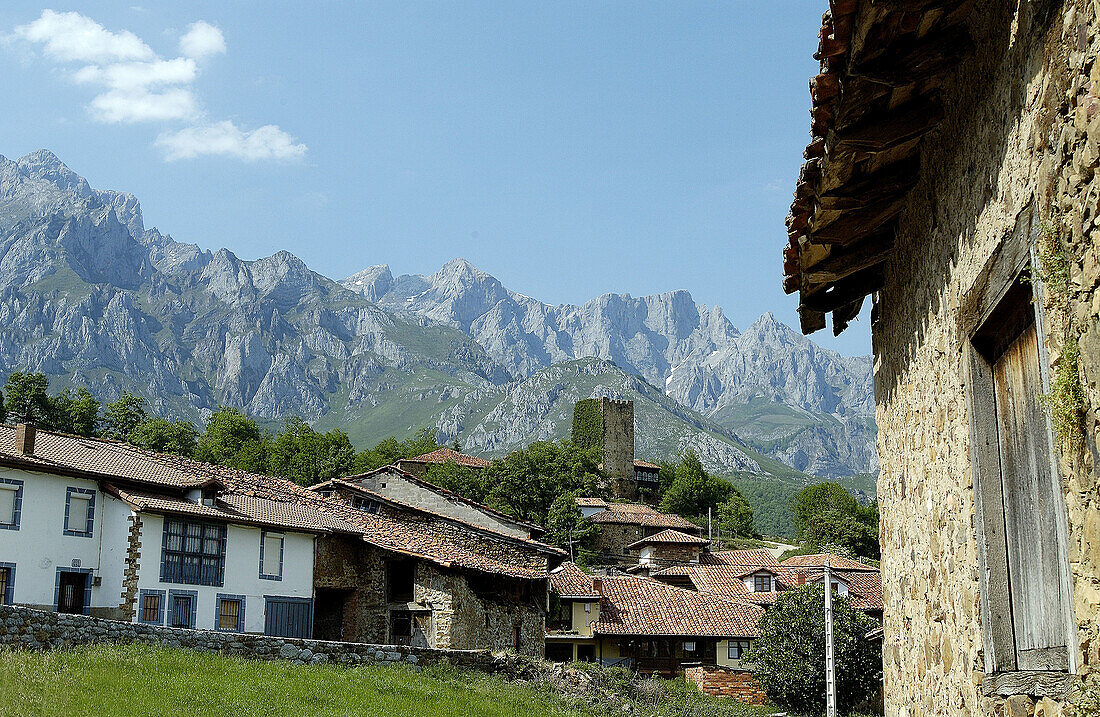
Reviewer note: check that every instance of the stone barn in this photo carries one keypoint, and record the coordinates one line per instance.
(951, 177)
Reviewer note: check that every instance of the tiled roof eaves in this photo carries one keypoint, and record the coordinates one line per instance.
(42, 465)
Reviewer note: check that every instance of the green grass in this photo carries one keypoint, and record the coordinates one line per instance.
(143, 680)
(108, 680)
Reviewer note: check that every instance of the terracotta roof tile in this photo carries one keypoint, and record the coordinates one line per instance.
(818, 561)
(637, 514)
(442, 455)
(646, 464)
(592, 502)
(571, 581)
(670, 537)
(643, 606)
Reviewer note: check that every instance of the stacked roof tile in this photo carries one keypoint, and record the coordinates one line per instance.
(443, 455)
(572, 582)
(642, 606)
(638, 514)
(670, 537)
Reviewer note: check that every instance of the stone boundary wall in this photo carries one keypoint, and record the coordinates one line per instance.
(727, 682)
(28, 628)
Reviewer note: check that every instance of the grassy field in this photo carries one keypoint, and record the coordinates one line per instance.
(108, 680)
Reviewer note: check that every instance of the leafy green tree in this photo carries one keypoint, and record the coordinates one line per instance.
(75, 412)
(391, 450)
(307, 457)
(160, 434)
(826, 514)
(525, 483)
(3, 409)
(789, 655)
(235, 440)
(465, 481)
(123, 416)
(26, 399)
(735, 516)
(568, 529)
(693, 490)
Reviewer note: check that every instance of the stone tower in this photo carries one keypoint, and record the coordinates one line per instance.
(618, 445)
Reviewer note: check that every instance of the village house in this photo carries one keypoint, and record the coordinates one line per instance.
(651, 628)
(428, 576)
(951, 176)
(622, 525)
(106, 529)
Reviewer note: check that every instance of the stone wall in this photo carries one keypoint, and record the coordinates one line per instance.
(725, 682)
(618, 445)
(39, 629)
(614, 537)
(1021, 130)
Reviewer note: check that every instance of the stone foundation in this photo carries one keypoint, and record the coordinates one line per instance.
(727, 682)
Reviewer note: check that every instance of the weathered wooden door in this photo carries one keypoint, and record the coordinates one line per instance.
(1036, 588)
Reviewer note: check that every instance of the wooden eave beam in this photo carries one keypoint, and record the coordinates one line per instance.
(842, 263)
(914, 59)
(810, 320)
(880, 132)
(853, 226)
(889, 182)
(844, 291)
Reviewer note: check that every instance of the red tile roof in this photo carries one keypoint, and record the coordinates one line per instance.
(752, 558)
(233, 508)
(572, 582)
(818, 561)
(646, 464)
(670, 537)
(643, 606)
(592, 502)
(442, 455)
(637, 514)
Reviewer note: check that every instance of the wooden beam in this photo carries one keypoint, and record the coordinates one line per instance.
(843, 262)
(845, 315)
(913, 59)
(810, 320)
(824, 87)
(852, 226)
(845, 291)
(892, 181)
(883, 131)
(815, 149)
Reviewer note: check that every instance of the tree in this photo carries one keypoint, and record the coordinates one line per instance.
(735, 516)
(525, 483)
(789, 655)
(3, 409)
(565, 525)
(587, 424)
(26, 399)
(693, 490)
(123, 416)
(390, 450)
(465, 481)
(306, 457)
(827, 514)
(162, 435)
(235, 440)
(75, 412)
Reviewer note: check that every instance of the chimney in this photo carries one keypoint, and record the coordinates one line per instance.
(800, 578)
(597, 585)
(24, 438)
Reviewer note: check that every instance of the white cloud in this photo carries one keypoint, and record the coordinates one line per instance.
(202, 39)
(226, 139)
(72, 37)
(134, 84)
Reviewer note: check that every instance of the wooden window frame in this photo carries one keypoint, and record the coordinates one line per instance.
(741, 646)
(161, 597)
(1012, 260)
(267, 561)
(756, 582)
(219, 602)
(15, 487)
(183, 566)
(7, 588)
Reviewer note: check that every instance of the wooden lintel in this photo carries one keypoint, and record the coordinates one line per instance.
(845, 291)
(889, 182)
(914, 59)
(880, 132)
(853, 226)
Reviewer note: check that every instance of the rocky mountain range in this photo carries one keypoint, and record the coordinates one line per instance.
(92, 298)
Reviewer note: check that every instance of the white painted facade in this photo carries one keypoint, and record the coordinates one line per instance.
(241, 576)
(39, 546)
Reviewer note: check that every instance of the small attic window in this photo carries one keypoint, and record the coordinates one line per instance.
(209, 495)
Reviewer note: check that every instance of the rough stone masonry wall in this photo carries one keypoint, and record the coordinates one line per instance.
(39, 629)
(618, 445)
(724, 682)
(1021, 122)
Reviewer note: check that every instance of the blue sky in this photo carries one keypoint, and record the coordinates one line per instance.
(568, 148)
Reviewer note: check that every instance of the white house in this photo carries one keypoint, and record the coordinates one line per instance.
(104, 528)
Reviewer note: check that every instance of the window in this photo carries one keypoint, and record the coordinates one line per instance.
(762, 583)
(271, 556)
(401, 627)
(151, 607)
(230, 616)
(193, 553)
(365, 504)
(738, 648)
(11, 503)
(7, 583)
(79, 511)
(181, 608)
(689, 647)
(399, 580)
(1025, 585)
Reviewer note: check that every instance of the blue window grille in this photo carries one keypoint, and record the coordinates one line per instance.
(193, 553)
(7, 583)
(84, 529)
(271, 565)
(151, 607)
(229, 613)
(60, 601)
(181, 608)
(10, 521)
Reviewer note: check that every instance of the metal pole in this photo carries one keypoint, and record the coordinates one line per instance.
(710, 536)
(830, 664)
